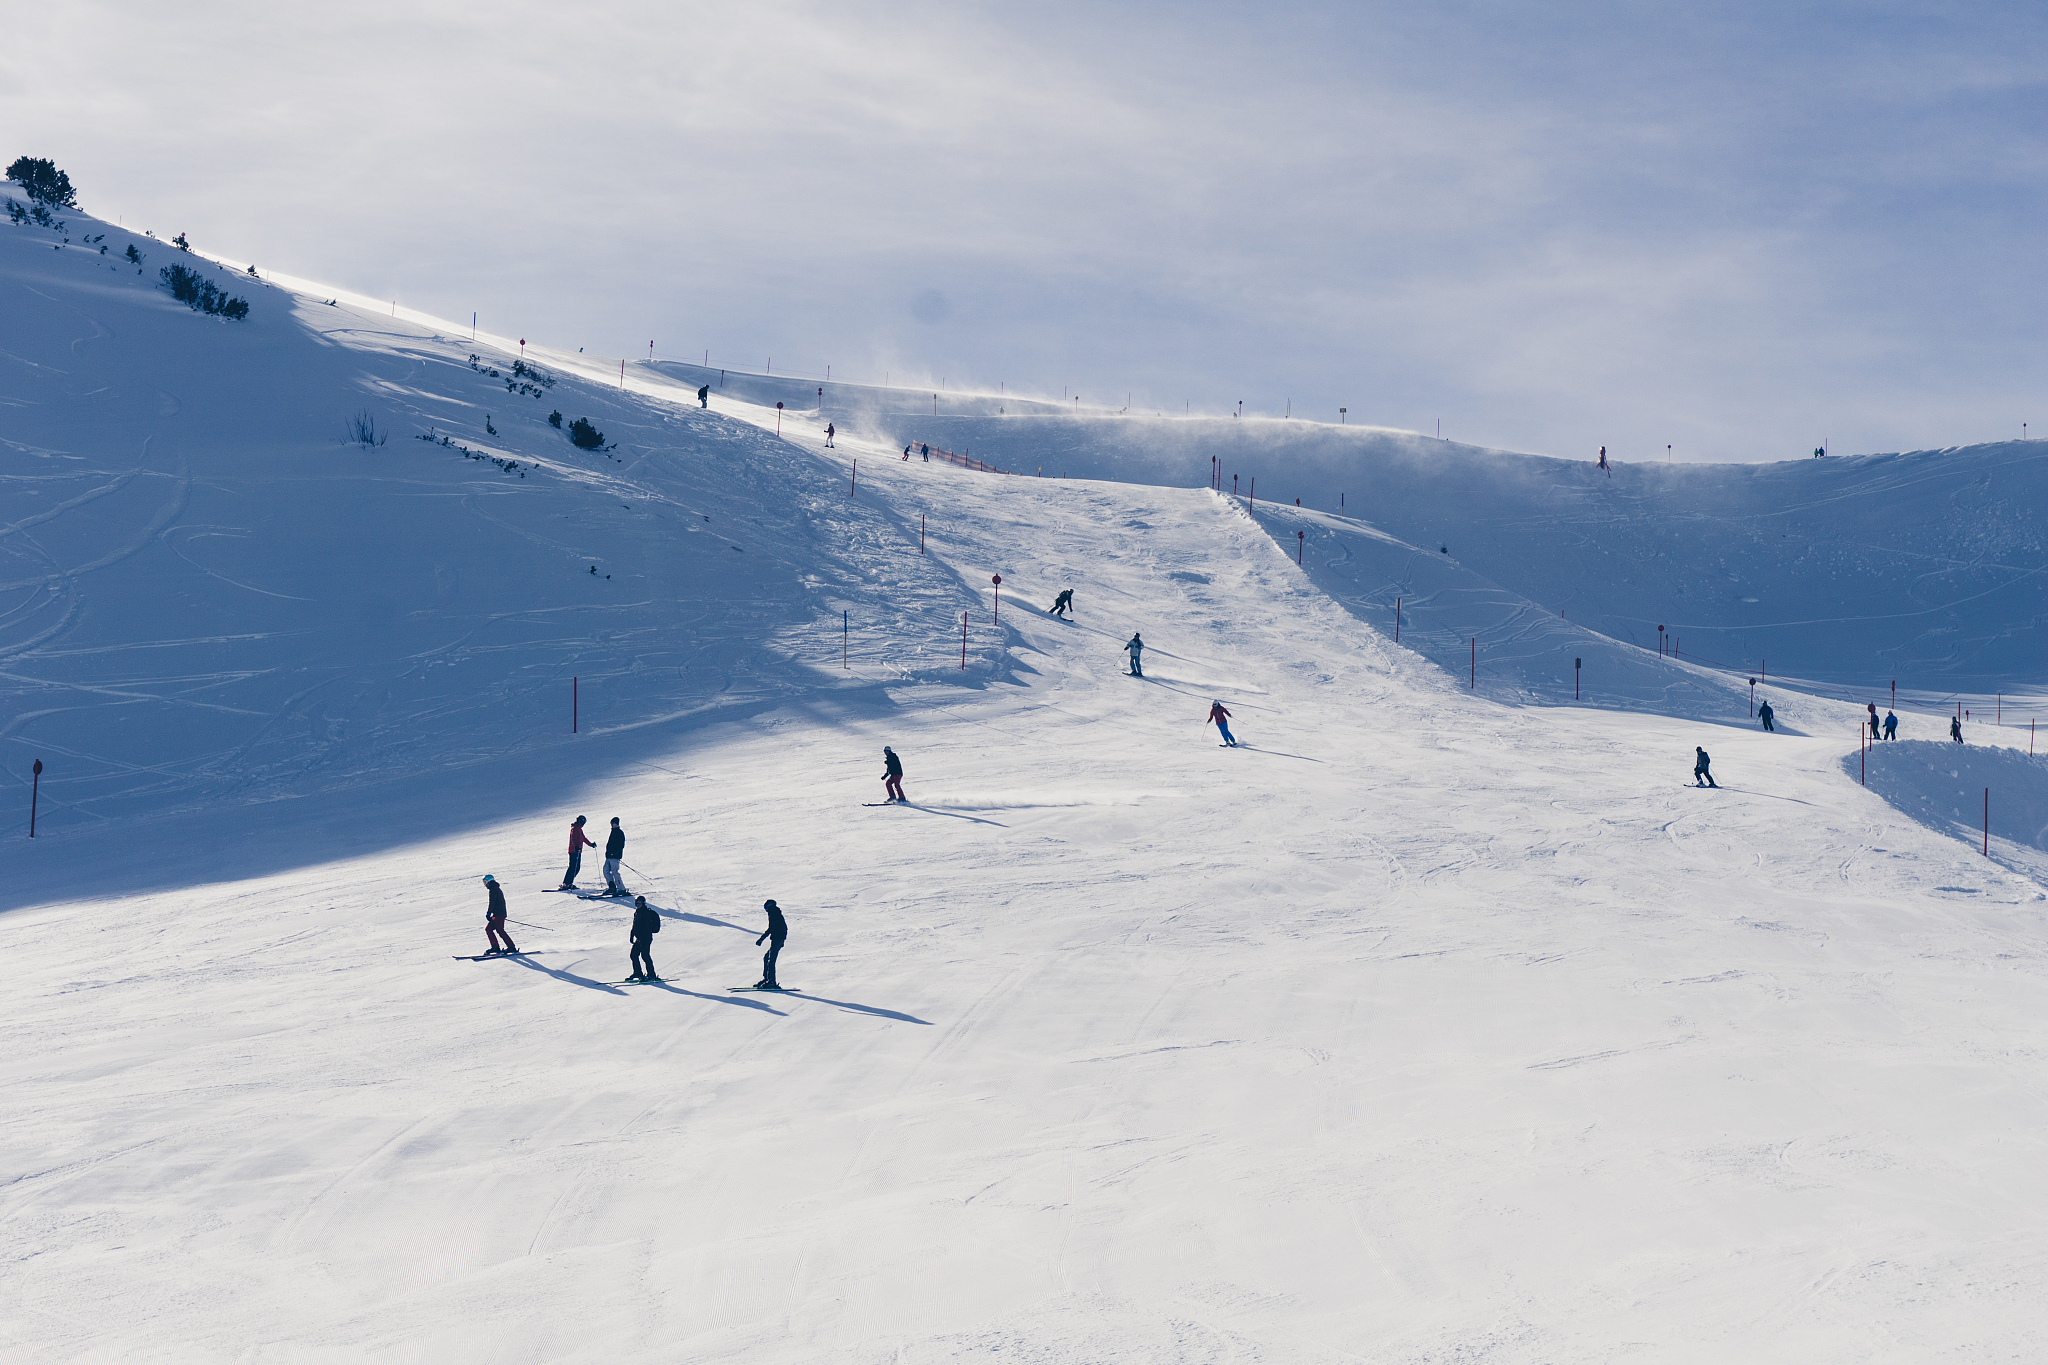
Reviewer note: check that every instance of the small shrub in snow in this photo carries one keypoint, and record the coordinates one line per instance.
(362, 431)
(180, 242)
(555, 419)
(43, 181)
(585, 436)
(200, 294)
(134, 256)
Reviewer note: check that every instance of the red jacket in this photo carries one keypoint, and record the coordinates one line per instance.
(1217, 713)
(578, 839)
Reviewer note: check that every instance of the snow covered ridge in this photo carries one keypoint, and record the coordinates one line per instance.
(212, 590)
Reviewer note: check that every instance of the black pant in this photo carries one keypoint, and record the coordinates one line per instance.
(768, 962)
(643, 963)
(1767, 722)
(1702, 778)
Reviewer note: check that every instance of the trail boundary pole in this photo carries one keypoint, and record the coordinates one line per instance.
(1397, 620)
(997, 579)
(1300, 544)
(1473, 681)
(844, 618)
(35, 794)
(855, 482)
(1987, 822)
(920, 533)
(963, 641)
(1575, 677)
(573, 703)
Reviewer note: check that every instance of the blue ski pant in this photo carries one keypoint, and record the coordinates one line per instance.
(575, 866)
(1224, 726)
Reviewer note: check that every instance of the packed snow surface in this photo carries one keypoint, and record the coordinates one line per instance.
(1431, 1024)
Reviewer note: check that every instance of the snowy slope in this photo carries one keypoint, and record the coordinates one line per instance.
(1423, 1028)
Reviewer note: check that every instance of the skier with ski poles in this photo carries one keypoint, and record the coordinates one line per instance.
(578, 841)
(1701, 777)
(646, 924)
(614, 850)
(892, 779)
(1064, 603)
(830, 432)
(1136, 649)
(775, 934)
(494, 919)
(1220, 718)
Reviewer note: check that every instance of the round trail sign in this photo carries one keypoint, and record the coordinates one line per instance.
(996, 579)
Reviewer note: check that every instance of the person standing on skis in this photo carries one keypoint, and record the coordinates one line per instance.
(1873, 720)
(892, 778)
(646, 924)
(775, 934)
(1955, 729)
(578, 841)
(1891, 725)
(494, 918)
(1765, 714)
(830, 432)
(1700, 776)
(1136, 649)
(614, 851)
(704, 396)
(1064, 603)
(1220, 718)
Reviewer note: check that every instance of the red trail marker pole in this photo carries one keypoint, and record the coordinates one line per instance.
(1575, 678)
(35, 793)
(844, 618)
(574, 701)
(963, 641)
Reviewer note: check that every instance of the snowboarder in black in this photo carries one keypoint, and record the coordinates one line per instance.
(892, 778)
(614, 852)
(1136, 649)
(1064, 603)
(494, 918)
(1700, 776)
(646, 924)
(776, 932)
(704, 396)
(1765, 714)
(1955, 729)
(1891, 725)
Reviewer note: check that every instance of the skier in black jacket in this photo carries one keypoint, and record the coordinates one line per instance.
(1700, 776)
(614, 851)
(774, 935)
(1765, 714)
(646, 924)
(704, 396)
(892, 777)
(494, 917)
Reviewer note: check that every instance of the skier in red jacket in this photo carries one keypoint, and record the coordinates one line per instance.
(578, 841)
(1220, 718)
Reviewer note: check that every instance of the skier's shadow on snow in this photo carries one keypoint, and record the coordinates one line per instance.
(705, 919)
(761, 1005)
(570, 977)
(861, 1009)
(950, 814)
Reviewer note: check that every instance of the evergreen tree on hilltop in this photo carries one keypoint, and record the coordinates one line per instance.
(43, 181)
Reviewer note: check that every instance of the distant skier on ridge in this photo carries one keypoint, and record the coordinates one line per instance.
(1136, 649)
(494, 918)
(646, 924)
(1891, 725)
(578, 841)
(614, 852)
(1063, 604)
(892, 778)
(704, 396)
(1701, 777)
(1220, 718)
(1955, 729)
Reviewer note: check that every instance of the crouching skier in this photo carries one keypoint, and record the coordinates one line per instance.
(1701, 777)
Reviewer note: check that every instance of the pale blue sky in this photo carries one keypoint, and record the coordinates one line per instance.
(1736, 228)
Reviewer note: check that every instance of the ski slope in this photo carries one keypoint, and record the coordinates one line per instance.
(1431, 1025)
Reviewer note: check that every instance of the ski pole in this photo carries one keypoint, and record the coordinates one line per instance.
(524, 925)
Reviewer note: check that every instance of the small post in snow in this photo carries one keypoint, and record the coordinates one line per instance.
(1473, 681)
(920, 533)
(1575, 677)
(997, 579)
(1253, 495)
(1300, 544)
(778, 419)
(1987, 822)
(522, 348)
(35, 794)
(844, 618)
(854, 484)
(622, 374)
(1397, 620)
(963, 641)
(573, 704)
(1752, 697)
(1862, 759)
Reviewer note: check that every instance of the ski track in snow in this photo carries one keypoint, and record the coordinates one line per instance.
(1426, 1027)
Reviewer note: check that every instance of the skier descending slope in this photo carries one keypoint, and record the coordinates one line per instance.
(614, 850)
(1220, 718)
(830, 432)
(1765, 714)
(775, 934)
(1063, 604)
(494, 918)
(1700, 776)
(892, 779)
(578, 841)
(1136, 649)
(646, 924)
